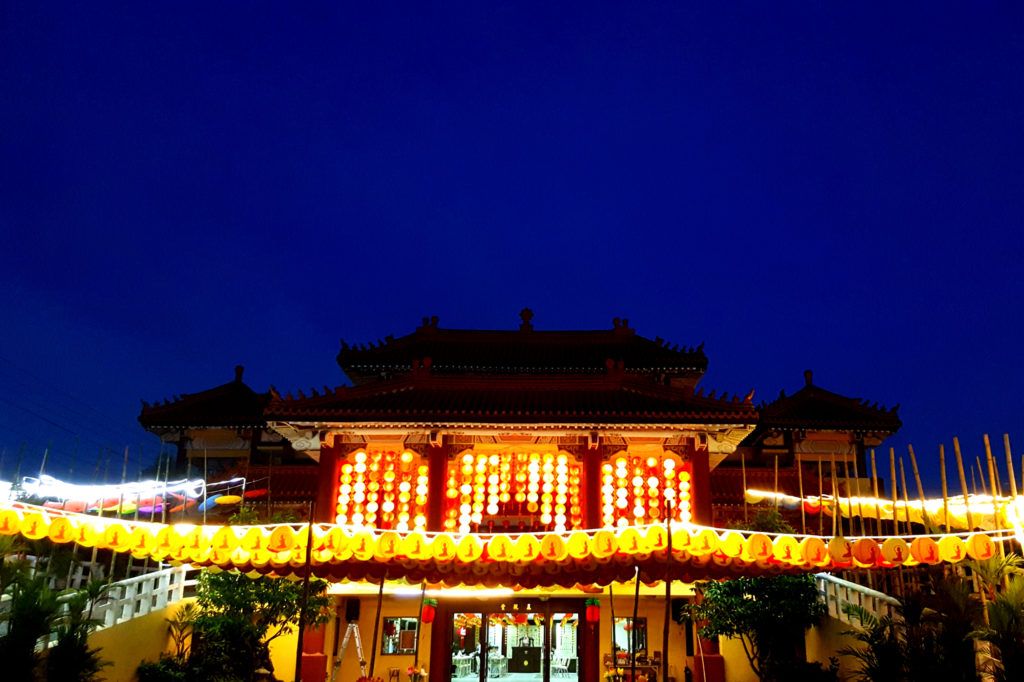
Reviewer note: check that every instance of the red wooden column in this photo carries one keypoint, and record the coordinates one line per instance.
(700, 486)
(328, 473)
(314, 660)
(591, 487)
(437, 476)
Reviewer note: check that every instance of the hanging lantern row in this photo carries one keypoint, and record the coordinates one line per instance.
(283, 546)
(383, 489)
(513, 491)
(637, 490)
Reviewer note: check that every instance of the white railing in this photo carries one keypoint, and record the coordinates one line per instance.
(837, 592)
(134, 597)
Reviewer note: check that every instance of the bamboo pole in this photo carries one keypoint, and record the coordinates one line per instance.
(776, 484)
(304, 601)
(743, 470)
(917, 478)
(632, 631)
(860, 503)
(963, 482)
(1013, 477)
(668, 590)
(906, 498)
(120, 504)
(981, 476)
(892, 480)
(800, 482)
(945, 490)
(821, 492)
(849, 497)
(874, 485)
(836, 511)
(995, 499)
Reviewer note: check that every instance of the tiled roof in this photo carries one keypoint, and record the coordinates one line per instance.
(425, 398)
(523, 351)
(813, 407)
(230, 405)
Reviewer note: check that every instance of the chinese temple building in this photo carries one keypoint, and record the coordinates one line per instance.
(495, 442)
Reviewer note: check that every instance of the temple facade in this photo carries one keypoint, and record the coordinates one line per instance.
(519, 434)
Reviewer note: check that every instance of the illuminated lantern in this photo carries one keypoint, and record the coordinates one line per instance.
(657, 538)
(61, 530)
(499, 548)
(34, 526)
(552, 548)
(415, 546)
(630, 542)
(604, 544)
(703, 543)
(429, 610)
(116, 537)
(895, 551)
(527, 548)
(387, 545)
(578, 545)
(10, 522)
(730, 543)
(593, 613)
(363, 545)
(225, 540)
(980, 547)
(786, 550)
(520, 619)
(841, 551)
(282, 539)
(141, 543)
(197, 545)
(443, 547)
(952, 549)
(254, 541)
(680, 540)
(758, 547)
(469, 549)
(814, 551)
(925, 550)
(865, 552)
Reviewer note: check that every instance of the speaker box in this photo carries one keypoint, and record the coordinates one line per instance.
(351, 610)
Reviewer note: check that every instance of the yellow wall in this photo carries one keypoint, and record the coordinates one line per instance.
(282, 656)
(128, 644)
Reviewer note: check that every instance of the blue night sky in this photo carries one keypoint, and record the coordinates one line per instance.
(835, 186)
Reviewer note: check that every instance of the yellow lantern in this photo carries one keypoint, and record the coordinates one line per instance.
(166, 541)
(10, 522)
(925, 550)
(814, 551)
(680, 540)
(730, 544)
(499, 548)
(527, 548)
(786, 550)
(657, 538)
(86, 534)
(630, 542)
(604, 544)
(703, 543)
(895, 551)
(363, 546)
(282, 539)
(552, 548)
(61, 530)
(34, 526)
(254, 540)
(865, 552)
(952, 549)
(197, 545)
(758, 547)
(578, 545)
(116, 537)
(980, 547)
(415, 546)
(141, 543)
(224, 540)
(469, 549)
(841, 551)
(388, 545)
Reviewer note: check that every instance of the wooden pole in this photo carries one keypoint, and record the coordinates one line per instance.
(963, 482)
(1013, 477)
(743, 471)
(419, 630)
(632, 631)
(920, 488)
(860, 503)
(821, 509)
(906, 498)
(376, 623)
(836, 521)
(995, 499)
(892, 480)
(800, 482)
(776, 482)
(981, 477)
(874, 484)
(120, 504)
(945, 490)
(668, 590)
(304, 602)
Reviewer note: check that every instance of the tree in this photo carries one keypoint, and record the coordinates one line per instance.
(768, 616)
(239, 616)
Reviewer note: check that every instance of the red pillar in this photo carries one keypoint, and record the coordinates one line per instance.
(700, 490)
(591, 485)
(437, 473)
(440, 643)
(314, 661)
(327, 485)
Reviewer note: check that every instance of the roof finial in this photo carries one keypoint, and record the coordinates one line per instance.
(526, 315)
(808, 375)
(238, 372)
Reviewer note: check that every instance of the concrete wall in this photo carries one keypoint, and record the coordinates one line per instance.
(128, 644)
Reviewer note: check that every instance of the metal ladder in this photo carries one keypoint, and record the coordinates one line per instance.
(352, 627)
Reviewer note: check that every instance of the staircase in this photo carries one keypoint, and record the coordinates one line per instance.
(837, 592)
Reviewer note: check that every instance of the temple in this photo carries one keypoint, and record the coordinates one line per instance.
(493, 434)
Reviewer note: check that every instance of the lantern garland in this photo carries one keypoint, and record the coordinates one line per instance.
(637, 490)
(383, 489)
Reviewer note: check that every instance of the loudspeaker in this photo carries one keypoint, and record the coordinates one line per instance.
(351, 610)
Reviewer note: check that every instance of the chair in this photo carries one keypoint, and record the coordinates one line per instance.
(392, 674)
(559, 667)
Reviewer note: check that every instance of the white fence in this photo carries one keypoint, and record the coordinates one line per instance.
(837, 592)
(138, 596)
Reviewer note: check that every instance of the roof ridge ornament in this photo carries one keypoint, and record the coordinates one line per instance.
(808, 376)
(526, 315)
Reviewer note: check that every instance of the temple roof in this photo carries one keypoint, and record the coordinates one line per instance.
(422, 397)
(522, 351)
(814, 408)
(229, 405)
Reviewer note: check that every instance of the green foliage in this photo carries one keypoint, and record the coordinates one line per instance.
(768, 616)
(1005, 631)
(167, 669)
(767, 520)
(181, 627)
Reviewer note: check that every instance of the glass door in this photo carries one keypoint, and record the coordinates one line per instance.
(564, 646)
(467, 646)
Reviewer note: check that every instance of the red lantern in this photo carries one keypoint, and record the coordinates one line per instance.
(593, 610)
(427, 615)
(520, 619)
